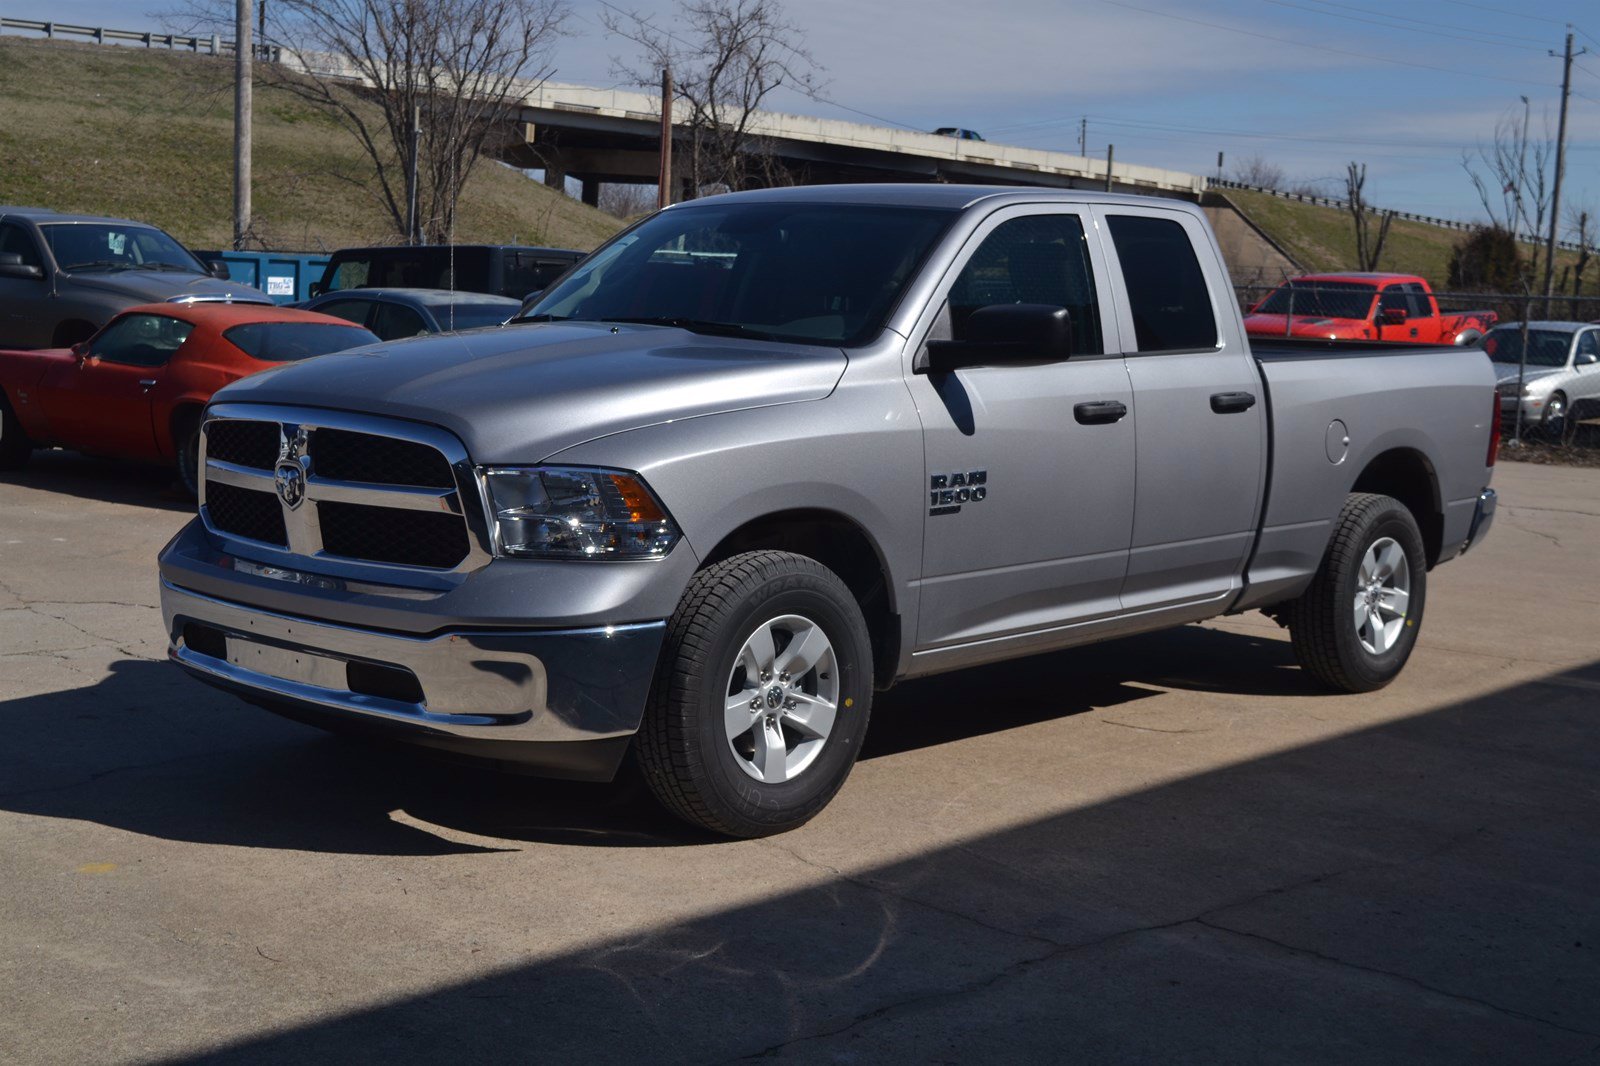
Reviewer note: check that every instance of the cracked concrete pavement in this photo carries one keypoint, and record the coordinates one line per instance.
(1171, 847)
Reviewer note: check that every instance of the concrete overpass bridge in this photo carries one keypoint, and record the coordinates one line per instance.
(612, 136)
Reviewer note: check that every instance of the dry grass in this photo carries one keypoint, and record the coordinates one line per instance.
(149, 135)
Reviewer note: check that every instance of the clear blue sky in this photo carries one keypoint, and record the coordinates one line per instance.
(1309, 84)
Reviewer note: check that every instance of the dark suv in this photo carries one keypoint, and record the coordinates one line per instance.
(498, 269)
(62, 277)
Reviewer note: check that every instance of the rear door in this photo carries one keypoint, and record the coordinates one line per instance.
(25, 317)
(1028, 506)
(1200, 410)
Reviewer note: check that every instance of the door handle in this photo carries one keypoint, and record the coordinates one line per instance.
(1100, 412)
(1227, 403)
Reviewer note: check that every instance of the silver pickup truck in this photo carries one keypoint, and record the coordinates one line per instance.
(763, 454)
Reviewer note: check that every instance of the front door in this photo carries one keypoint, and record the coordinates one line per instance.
(1029, 466)
(101, 403)
(1202, 409)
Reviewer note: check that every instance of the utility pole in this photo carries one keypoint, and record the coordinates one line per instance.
(1083, 136)
(1219, 166)
(1111, 153)
(413, 145)
(664, 175)
(1561, 161)
(243, 104)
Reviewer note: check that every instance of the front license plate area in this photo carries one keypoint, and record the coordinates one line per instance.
(287, 664)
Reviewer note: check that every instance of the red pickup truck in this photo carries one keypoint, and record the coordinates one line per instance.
(1380, 307)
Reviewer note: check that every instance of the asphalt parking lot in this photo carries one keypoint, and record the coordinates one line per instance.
(1169, 848)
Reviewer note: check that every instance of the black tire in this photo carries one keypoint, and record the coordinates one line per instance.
(186, 442)
(1556, 423)
(1321, 622)
(683, 748)
(15, 447)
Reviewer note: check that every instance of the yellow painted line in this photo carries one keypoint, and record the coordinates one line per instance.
(97, 867)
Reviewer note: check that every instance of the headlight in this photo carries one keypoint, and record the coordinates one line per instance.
(570, 512)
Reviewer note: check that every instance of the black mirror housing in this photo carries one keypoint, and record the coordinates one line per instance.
(217, 269)
(1005, 333)
(12, 266)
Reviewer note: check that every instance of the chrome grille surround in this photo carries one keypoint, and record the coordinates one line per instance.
(305, 550)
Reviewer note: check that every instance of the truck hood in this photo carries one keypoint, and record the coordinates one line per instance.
(519, 394)
(157, 286)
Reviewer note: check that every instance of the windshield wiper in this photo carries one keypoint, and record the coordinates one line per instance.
(98, 264)
(518, 320)
(699, 325)
(169, 266)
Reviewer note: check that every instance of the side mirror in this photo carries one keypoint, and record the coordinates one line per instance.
(317, 289)
(1586, 358)
(218, 269)
(1393, 316)
(1005, 333)
(12, 266)
(80, 350)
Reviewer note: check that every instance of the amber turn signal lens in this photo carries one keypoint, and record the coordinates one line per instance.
(642, 507)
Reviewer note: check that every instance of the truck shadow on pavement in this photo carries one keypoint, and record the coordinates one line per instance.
(107, 480)
(1418, 891)
(150, 750)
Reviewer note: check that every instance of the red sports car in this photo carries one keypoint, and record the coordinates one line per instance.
(135, 390)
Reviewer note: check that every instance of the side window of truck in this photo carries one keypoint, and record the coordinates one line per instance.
(1394, 299)
(1035, 259)
(1420, 305)
(1167, 293)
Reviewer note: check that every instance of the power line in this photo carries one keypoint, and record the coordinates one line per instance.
(1500, 43)
(1322, 47)
(1503, 11)
(1424, 22)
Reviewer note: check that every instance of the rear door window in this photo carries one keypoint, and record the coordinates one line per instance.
(282, 342)
(1167, 293)
(357, 311)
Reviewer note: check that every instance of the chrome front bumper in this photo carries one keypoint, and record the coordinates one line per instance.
(477, 691)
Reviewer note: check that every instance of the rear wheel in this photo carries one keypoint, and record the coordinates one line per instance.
(761, 697)
(186, 440)
(15, 447)
(1354, 628)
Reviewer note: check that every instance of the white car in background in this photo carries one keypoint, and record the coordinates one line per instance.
(1561, 379)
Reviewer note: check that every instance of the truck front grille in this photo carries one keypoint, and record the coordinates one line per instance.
(386, 493)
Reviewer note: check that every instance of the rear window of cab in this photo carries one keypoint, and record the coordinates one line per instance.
(284, 342)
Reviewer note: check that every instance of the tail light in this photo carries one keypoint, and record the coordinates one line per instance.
(1494, 430)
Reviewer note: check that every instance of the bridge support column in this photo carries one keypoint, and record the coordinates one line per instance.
(555, 176)
(591, 191)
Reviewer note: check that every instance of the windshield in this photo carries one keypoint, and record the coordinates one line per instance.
(1320, 299)
(810, 273)
(1546, 347)
(283, 342)
(410, 268)
(90, 246)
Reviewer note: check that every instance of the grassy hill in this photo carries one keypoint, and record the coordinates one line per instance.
(1323, 239)
(149, 135)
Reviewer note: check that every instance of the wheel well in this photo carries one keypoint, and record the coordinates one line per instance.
(182, 415)
(71, 332)
(1409, 477)
(843, 547)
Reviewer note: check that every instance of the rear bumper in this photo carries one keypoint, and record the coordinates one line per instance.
(1482, 518)
(562, 702)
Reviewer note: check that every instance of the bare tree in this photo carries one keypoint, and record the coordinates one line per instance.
(1511, 176)
(1368, 250)
(450, 72)
(1581, 225)
(727, 57)
(627, 201)
(1260, 171)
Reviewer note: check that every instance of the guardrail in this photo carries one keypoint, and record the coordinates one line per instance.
(215, 44)
(1344, 205)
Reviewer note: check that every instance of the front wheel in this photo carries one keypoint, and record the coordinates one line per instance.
(761, 697)
(1554, 422)
(1354, 628)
